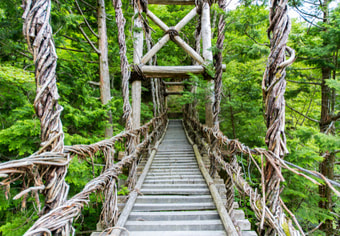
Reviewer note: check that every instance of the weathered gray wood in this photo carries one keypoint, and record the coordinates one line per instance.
(173, 83)
(133, 195)
(147, 57)
(157, 21)
(189, 50)
(172, 2)
(186, 19)
(208, 58)
(136, 89)
(173, 93)
(224, 215)
(155, 49)
(172, 71)
(105, 92)
(206, 33)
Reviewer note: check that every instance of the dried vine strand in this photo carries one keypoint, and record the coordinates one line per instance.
(124, 64)
(273, 87)
(276, 223)
(38, 33)
(218, 66)
(67, 212)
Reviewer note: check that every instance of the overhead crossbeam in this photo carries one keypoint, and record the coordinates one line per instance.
(172, 71)
(177, 39)
(181, 83)
(172, 2)
(173, 93)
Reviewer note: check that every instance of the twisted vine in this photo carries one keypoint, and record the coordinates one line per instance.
(124, 64)
(38, 33)
(273, 87)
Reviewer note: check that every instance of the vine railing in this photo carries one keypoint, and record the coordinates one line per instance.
(222, 151)
(29, 168)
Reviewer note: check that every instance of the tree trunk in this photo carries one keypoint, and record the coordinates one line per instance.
(105, 93)
(326, 167)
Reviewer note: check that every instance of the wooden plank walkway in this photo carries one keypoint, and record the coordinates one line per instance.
(175, 197)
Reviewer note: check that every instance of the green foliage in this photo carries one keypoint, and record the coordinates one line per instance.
(335, 84)
(123, 191)
(17, 225)
(21, 138)
(84, 117)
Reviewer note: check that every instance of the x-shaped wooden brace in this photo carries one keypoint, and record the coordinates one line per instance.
(175, 38)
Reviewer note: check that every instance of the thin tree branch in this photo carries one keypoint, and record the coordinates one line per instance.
(262, 44)
(312, 68)
(86, 22)
(70, 49)
(88, 40)
(316, 228)
(310, 22)
(74, 40)
(21, 53)
(313, 173)
(88, 4)
(307, 14)
(311, 119)
(309, 106)
(335, 117)
(303, 82)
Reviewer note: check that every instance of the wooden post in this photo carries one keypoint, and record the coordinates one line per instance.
(137, 84)
(105, 93)
(208, 57)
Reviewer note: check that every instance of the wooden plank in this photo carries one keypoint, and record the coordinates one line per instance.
(174, 93)
(222, 211)
(172, 71)
(172, 2)
(173, 83)
(134, 194)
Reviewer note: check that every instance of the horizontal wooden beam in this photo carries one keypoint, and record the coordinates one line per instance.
(172, 2)
(172, 71)
(174, 83)
(173, 93)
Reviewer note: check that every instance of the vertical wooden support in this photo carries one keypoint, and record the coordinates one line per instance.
(208, 57)
(105, 93)
(137, 84)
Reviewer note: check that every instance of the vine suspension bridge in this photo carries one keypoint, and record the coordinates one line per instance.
(181, 173)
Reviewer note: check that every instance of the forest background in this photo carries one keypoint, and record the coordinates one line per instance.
(312, 96)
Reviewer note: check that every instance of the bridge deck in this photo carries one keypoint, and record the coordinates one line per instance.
(176, 199)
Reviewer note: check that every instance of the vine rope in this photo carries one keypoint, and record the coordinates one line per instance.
(38, 33)
(273, 87)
